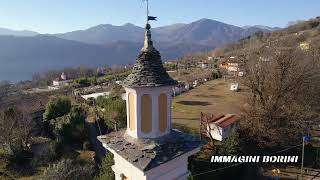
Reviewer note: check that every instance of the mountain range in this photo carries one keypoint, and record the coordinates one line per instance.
(9, 32)
(23, 53)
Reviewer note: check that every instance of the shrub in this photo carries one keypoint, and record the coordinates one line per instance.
(71, 128)
(57, 107)
(68, 170)
(15, 131)
(83, 82)
(229, 146)
(115, 111)
(43, 150)
(105, 171)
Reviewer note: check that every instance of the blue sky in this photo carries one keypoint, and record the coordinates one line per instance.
(53, 16)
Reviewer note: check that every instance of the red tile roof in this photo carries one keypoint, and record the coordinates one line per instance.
(225, 120)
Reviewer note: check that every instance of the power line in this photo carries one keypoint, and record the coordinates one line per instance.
(198, 174)
(216, 169)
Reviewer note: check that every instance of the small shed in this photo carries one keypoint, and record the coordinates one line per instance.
(222, 127)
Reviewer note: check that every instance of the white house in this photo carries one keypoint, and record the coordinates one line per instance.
(222, 127)
(149, 149)
(179, 89)
(233, 67)
(96, 95)
(61, 81)
(206, 65)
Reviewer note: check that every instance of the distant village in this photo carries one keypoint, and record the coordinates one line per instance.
(213, 68)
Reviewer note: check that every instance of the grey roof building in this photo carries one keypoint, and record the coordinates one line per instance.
(148, 70)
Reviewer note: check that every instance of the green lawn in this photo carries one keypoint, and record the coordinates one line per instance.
(212, 97)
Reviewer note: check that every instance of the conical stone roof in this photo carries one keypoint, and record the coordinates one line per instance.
(148, 70)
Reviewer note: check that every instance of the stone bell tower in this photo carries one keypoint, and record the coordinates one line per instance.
(148, 89)
(149, 149)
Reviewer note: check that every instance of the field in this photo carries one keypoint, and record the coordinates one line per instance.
(212, 97)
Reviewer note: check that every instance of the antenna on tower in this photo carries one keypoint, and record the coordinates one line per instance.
(147, 9)
(149, 18)
(148, 45)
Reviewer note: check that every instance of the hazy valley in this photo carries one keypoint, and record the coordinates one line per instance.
(23, 53)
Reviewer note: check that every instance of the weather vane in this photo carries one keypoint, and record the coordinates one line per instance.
(149, 18)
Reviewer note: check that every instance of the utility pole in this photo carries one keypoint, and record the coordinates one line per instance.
(304, 138)
(96, 116)
(97, 120)
(302, 158)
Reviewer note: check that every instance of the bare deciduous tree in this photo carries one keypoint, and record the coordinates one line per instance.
(282, 83)
(15, 130)
(4, 88)
(68, 170)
